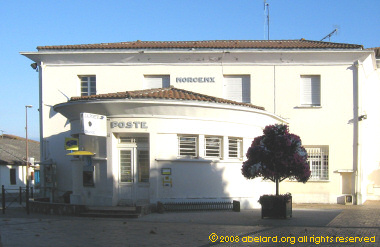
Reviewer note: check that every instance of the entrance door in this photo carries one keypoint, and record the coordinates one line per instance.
(126, 176)
(134, 169)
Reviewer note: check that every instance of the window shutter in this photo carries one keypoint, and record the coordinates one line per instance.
(237, 88)
(234, 147)
(187, 146)
(213, 146)
(310, 90)
(160, 81)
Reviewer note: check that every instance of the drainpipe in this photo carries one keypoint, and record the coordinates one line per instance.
(42, 143)
(356, 161)
(274, 89)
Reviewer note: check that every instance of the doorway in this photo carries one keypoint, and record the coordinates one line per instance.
(134, 170)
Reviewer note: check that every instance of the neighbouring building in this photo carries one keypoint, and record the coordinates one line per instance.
(377, 55)
(171, 121)
(13, 161)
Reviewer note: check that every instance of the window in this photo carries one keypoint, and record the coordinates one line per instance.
(126, 166)
(143, 165)
(310, 90)
(133, 140)
(37, 180)
(88, 176)
(318, 158)
(213, 146)
(188, 146)
(12, 176)
(237, 88)
(235, 147)
(156, 81)
(88, 85)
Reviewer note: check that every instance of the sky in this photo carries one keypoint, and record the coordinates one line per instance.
(27, 24)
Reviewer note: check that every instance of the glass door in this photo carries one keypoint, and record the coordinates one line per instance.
(126, 176)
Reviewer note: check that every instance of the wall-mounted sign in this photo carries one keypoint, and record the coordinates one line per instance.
(129, 125)
(93, 124)
(166, 171)
(71, 144)
(195, 79)
(167, 181)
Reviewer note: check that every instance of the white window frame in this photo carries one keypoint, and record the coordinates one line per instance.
(188, 146)
(318, 158)
(213, 146)
(156, 81)
(235, 148)
(310, 93)
(87, 82)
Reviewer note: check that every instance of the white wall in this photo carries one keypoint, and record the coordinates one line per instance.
(369, 143)
(195, 179)
(5, 177)
(275, 84)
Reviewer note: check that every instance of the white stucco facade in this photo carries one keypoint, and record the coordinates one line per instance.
(349, 83)
(200, 178)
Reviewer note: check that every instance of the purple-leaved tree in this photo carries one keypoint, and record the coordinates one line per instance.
(277, 155)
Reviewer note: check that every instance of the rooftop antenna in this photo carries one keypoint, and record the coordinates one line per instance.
(67, 97)
(266, 6)
(330, 34)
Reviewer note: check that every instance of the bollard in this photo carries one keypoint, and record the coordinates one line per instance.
(20, 195)
(236, 206)
(27, 200)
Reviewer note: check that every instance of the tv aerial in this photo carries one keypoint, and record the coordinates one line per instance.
(330, 34)
(266, 7)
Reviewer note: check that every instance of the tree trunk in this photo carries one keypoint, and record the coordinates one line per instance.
(276, 179)
(277, 186)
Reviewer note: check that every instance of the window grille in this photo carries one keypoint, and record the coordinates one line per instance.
(213, 145)
(129, 140)
(234, 147)
(187, 146)
(125, 166)
(88, 85)
(318, 158)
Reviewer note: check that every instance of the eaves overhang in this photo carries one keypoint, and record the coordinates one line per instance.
(151, 108)
(193, 56)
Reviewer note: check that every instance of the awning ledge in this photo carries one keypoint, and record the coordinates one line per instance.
(77, 153)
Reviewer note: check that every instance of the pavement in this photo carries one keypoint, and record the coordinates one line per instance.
(311, 225)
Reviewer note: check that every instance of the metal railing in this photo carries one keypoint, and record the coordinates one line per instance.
(201, 206)
(14, 196)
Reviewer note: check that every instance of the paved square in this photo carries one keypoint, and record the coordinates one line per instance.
(311, 225)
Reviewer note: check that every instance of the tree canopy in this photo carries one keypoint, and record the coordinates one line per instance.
(277, 155)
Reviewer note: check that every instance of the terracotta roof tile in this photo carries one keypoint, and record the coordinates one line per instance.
(209, 44)
(171, 93)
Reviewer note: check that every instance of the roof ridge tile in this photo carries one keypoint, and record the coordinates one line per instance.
(209, 44)
(163, 93)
